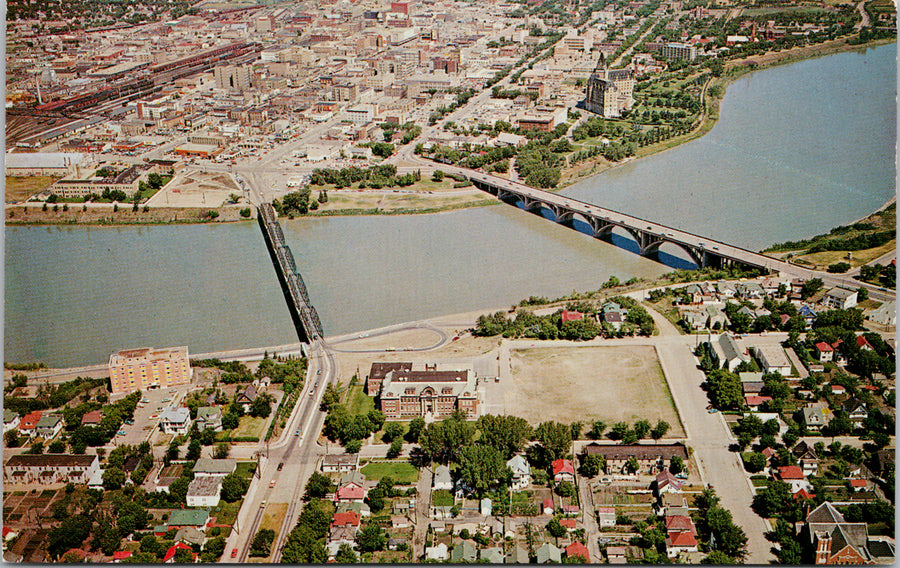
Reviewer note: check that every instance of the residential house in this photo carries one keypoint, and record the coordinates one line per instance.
(486, 507)
(571, 316)
(521, 472)
(730, 355)
(751, 383)
(170, 554)
(858, 485)
(547, 554)
(693, 318)
(563, 470)
(360, 509)
(754, 401)
(49, 426)
(47, 469)
(214, 467)
(10, 420)
(92, 418)
(816, 417)
(518, 555)
(175, 420)
(863, 343)
(667, 483)
(29, 422)
(715, 317)
(463, 552)
(834, 540)
(580, 550)
(180, 518)
(492, 555)
(773, 359)
(615, 319)
(680, 523)
(191, 536)
(568, 523)
(209, 418)
(680, 542)
(343, 528)
(648, 456)
(247, 396)
(351, 488)
(606, 516)
(437, 553)
(885, 314)
(616, 555)
(839, 299)
(726, 289)
(672, 504)
(824, 352)
(793, 476)
(442, 479)
(808, 314)
(394, 543)
(205, 491)
(857, 411)
(807, 458)
(547, 506)
(340, 463)
(750, 290)
(399, 522)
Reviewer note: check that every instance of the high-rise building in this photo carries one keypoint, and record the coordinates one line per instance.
(609, 92)
(233, 77)
(140, 369)
(673, 51)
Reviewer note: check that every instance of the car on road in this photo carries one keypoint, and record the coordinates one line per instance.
(121, 433)
(319, 371)
(154, 416)
(129, 422)
(711, 409)
(272, 483)
(234, 553)
(298, 432)
(263, 504)
(280, 466)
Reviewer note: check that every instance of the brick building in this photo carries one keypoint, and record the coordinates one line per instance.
(407, 394)
(140, 369)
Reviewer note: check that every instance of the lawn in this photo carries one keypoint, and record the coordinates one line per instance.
(441, 498)
(245, 469)
(20, 188)
(226, 513)
(358, 402)
(401, 472)
(859, 257)
(249, 427)
(613, 384)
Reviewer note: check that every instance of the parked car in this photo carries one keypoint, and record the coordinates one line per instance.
(234, 553)
(298, 432)
(280, 466)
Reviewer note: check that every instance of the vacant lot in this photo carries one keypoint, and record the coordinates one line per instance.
(589, 383)
(249, 427)
(20, 188)
(401, 472)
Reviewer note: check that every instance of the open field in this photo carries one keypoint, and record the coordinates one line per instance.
(20, 188)
(821, 260)
(358, 402)
(401, 472)
(587, 383)
(249, 427)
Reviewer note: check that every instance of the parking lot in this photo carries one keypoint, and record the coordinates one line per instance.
(146, 415)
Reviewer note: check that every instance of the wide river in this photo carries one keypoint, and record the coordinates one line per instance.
(798, 149)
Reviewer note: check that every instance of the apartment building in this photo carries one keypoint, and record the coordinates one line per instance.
(147, 367)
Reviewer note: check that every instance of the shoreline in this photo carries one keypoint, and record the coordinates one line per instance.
(735, 70)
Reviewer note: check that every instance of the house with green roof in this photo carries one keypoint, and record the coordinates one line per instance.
(181, 518)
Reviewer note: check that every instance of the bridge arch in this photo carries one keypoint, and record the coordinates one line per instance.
(653, 248)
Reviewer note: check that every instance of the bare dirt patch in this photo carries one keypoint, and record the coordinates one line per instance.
(20, 188)
(589, 383)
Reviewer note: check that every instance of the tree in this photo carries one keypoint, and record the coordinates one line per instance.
(149, 544)
(774, 499)
(862, 294)
(507, 434)
(481, 467)
(676, 466)
(555, 439)
(718, 558)
(592, 464)
(555, 528)
(416, 426)
(371, 538)
(262, 543)
(222, 450)
(392, 431)
(318, 486)
(71, 533)
(113, 478)
(642, 428)
(233, 487)
(725, 390)
(194, 450)
(565, 489)
(632, 465)
(660, 430)
(754, 462)
(810, 287)
(261, 407)
(443, 440)
(345, 555)
(437, 176)
(597, 429)
(395, 449)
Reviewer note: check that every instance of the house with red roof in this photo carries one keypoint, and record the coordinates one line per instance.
(754, 401)
(578, 549)
(864, 344)
(859, 484)
(571, 509)
(793, 475)
(824, 352)
(346, 519)
(351, 488)
(680, 523)
(121, 555)
(838, 389)
(680, 542)
(803, 494)
(29, 422)
(170, 554)
(569, 523)
(667, 483)
(571, 316)
(92, 418)
(547, 506)
(563, 470)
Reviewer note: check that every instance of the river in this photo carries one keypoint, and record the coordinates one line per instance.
(798, 149)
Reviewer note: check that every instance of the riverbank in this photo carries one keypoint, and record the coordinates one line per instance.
(734, 70)
(78, 214)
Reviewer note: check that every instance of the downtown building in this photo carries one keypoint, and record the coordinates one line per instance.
(609, 92)
(146, 368)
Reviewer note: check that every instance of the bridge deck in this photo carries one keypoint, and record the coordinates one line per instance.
(650, 235)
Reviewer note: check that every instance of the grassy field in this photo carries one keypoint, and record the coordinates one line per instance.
(20, 188)
(612, 384)
(249, 427)
(859, 257)
(358, 402)
(442, 498)
(401, 472)
(245, 469)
